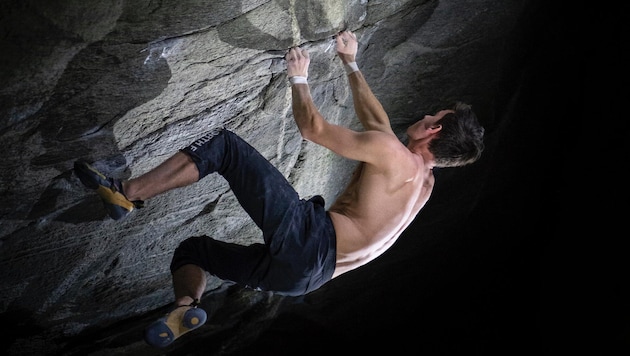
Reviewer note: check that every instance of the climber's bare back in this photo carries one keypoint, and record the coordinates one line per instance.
(375, 209)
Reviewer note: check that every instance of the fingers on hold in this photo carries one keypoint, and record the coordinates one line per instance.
(295, 53)
(344, 36)
(290, 54)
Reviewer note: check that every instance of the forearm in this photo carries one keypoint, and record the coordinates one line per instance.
(306, 115)
(367, 107)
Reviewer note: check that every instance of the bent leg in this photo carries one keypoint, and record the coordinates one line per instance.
(228, 261)
(260, 188)
(177, 171)
(189, 283)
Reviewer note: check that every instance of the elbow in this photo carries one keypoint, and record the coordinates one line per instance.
(308, 133)
(312, 127)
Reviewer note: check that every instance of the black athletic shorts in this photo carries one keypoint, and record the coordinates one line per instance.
(299, 250)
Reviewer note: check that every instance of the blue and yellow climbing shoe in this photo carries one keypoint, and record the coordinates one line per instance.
(179, 321)
(109, 189)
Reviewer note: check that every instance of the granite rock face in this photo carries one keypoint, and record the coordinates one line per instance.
(125, 84)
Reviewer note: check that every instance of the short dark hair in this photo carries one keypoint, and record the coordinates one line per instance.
(460, 141)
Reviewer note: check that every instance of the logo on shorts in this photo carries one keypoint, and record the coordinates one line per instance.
(205, 139)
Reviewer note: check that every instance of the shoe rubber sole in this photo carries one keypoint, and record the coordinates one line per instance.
(167, 329)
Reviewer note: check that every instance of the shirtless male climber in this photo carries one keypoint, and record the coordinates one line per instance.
(304, 246)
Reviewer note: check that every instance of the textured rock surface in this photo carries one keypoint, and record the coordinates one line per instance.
(124, 84)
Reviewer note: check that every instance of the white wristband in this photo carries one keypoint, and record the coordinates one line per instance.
(298, 80)
(351, 67)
